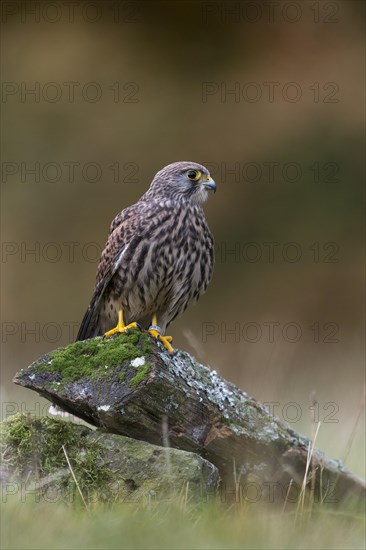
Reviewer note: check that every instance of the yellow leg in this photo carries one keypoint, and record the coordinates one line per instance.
(121, 327)
(154, 330)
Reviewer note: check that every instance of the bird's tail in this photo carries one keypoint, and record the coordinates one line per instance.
(89, 325)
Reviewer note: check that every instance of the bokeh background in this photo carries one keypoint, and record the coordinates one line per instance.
(151, 85)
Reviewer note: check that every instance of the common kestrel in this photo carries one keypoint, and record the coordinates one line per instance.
(158, 258)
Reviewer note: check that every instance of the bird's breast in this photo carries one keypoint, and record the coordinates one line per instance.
(171, 262)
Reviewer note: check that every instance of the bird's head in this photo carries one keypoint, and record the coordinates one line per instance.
(183, 180)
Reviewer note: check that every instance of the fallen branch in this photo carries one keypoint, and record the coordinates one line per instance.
(129, 385)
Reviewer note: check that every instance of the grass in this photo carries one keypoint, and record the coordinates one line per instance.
(42, 525)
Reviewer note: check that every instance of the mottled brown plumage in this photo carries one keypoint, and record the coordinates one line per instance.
(159, 254)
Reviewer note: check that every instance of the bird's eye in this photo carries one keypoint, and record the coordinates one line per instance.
(194, 175)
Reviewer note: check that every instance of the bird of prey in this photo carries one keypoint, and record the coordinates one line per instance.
(158, 257)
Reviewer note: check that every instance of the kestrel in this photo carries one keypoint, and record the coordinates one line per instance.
(158, 258)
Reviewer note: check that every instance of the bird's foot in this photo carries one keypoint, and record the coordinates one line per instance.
(121, 327)
(165, 340)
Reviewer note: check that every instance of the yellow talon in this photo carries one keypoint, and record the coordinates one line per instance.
(121, 327)
(154, 330)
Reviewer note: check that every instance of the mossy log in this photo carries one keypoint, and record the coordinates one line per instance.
(107, 467)
(130, 385)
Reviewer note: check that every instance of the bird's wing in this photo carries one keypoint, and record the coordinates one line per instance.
(123, 230)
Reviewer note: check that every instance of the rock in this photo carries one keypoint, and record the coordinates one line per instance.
(107, 467)
(131, 386)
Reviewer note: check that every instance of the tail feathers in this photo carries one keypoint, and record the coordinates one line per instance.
(89, 327)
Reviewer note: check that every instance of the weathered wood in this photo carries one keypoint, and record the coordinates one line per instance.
(135, 388)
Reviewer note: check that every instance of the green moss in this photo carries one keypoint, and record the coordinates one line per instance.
(140, 375)
(33, 449)
(94, 358)
(147, 344)
(122, 376)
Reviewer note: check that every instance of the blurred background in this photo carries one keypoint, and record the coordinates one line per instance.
(97, 97)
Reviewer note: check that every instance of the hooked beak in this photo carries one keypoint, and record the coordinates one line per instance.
(209, 184)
